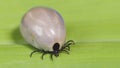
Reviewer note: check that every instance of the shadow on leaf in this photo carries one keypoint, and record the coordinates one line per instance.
(18, 39)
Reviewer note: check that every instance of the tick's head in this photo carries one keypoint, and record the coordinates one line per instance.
(56, 50)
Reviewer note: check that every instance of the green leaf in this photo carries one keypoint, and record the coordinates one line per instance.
(93, 24)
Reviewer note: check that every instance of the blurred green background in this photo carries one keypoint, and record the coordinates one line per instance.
(93, 24)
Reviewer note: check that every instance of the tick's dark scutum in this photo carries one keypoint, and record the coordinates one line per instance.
(56, 46)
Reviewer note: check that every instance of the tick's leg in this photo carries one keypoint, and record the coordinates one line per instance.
(67, 44)
(70, 42)
(34, 52)
(43, 55)
(66, 51)
(51, 56)
(67, 48)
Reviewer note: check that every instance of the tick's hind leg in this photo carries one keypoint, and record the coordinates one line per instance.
(43, 55)
(47, 52)
(34, 52)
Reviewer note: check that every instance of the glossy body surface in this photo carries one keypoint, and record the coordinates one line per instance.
(43, 28)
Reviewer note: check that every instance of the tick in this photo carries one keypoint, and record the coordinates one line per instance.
(44, 29)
